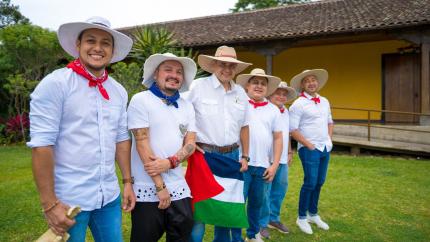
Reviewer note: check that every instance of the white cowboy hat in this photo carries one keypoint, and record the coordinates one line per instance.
(272, 83)
(68, 35)
(225, 54)
(292, 94)
(151, 64)
(320, 74)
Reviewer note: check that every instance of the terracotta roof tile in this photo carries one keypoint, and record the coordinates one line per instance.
(299, 20)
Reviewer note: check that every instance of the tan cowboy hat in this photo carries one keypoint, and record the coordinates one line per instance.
(292, 94)
(151, 64)
(272, 84)
(320, 74)
(68, 35)
(225, 54)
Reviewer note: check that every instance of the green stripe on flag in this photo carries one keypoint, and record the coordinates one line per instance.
(225, 214)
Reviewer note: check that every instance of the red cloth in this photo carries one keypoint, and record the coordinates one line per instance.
(315, 99)
(77, 67)
(282, 110)
(200, 179)
(259, 104)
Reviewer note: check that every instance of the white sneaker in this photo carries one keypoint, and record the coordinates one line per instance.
(256, 239)
(304, 225)
(317, 220)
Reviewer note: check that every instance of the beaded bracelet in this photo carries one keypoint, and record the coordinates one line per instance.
(174, 161)
(51, 207)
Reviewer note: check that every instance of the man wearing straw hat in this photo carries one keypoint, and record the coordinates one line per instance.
(164, 132)
(271, 209)
(221, 109)
(265, 145)
(78, 129)
(311, 124)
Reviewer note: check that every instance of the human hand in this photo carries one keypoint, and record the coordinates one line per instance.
(128, 198)
(156, 166)
(290, 159)
(164, 197)
(270, 172)
(244, 165)
(57, 219)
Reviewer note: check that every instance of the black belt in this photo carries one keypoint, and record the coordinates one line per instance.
(219, 149)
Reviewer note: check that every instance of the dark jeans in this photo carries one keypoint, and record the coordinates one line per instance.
(149, 222)
(315, 164)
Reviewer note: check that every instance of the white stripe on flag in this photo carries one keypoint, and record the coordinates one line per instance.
(233, 190)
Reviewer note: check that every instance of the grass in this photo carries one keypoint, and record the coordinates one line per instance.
(364, 199)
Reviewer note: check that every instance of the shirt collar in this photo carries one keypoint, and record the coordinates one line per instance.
(309, 96)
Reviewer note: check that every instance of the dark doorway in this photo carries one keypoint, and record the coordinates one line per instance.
(401, 87)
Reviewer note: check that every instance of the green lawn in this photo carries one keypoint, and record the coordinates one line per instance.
(364, 199)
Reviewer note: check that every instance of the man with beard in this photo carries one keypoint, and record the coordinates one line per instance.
(163, 127)
(78, 129)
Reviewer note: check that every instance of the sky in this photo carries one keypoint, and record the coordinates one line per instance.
(121, 13)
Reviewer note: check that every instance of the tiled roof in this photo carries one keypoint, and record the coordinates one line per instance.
(299, 20)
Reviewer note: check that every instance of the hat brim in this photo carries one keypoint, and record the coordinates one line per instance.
(68, 35)
(272, 84)
(206, 62)
(320, 74)
(292, 94)
(151, 64)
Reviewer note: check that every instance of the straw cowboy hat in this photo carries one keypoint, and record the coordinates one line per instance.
(151, 64)
(68, 35)
(225, 54)
(292, 94)
(320, 74)
(272, 83)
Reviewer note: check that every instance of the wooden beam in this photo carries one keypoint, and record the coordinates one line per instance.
(425, 82)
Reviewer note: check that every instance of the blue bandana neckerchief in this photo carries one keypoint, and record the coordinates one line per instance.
(169, 100)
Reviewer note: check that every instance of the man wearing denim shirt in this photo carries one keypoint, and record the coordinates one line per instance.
(78, 129)
(311, 124)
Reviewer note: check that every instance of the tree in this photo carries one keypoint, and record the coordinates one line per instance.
(246, 5)
(9, 14)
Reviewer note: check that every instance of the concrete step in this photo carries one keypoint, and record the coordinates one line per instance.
(417, 135)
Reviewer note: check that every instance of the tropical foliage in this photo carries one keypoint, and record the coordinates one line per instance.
(246, 5)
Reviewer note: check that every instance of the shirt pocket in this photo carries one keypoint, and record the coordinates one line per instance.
(238, 112)
(209, 107)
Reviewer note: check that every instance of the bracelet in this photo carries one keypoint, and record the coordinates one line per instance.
(174, 161)
(45, 210)
(159, 189)
(245, 158)
(128, 180)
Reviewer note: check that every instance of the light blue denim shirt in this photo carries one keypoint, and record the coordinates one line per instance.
(83, 129)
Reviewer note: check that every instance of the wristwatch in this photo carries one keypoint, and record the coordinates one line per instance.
(246, 158)
(159, 189)
(128, 180)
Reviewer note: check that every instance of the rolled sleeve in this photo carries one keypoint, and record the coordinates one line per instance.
(295, 114)
(46, 107)
(192, 119)
(123, 130)
(137, 114)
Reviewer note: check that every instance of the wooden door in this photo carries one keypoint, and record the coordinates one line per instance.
(401, 87)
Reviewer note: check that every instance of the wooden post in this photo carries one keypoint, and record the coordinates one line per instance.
(368, 125)
(269, 63)
(425, 83)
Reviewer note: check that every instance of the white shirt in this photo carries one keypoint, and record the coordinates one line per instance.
(285, 120)
(220, 114)
(83, 129)
(167, 128)
(264, 121)
(312, 121)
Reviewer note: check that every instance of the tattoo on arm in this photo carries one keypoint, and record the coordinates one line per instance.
(140, 134)
(185, 152)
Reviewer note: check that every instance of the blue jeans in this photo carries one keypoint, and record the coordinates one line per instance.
(254, 189)
(315, 164)
(221, 234)
(274, 196)
(105, 224)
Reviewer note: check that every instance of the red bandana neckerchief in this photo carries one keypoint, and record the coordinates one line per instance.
(259, 104)
(315, 99)
(77, 67)
(282, 110)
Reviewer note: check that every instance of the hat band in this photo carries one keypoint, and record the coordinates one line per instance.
(232, 56)
(102, 24)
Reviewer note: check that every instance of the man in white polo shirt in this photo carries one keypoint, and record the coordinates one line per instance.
(222, 120)
(265, 144)
(271, 209)
(163, 127)
(78, 129)
(311, 124)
